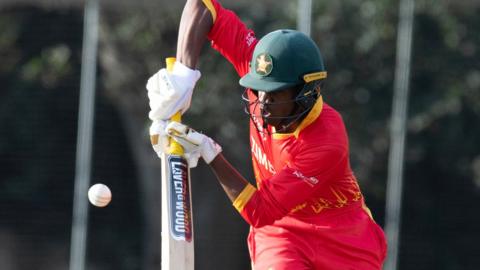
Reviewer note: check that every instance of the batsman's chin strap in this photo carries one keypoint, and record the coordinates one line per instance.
(293, 118)
(299, 103)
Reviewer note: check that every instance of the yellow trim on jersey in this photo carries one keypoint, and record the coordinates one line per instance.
(244, 197)
(367, 210)
(312, 116)
(209, 5)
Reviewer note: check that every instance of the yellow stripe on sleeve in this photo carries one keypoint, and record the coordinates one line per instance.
(244, 197)
(209, 5)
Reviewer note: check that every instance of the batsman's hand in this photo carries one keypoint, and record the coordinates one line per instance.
(158, 137)
(195, 144)
(170, 92)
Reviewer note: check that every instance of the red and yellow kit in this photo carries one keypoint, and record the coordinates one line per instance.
(307, 211)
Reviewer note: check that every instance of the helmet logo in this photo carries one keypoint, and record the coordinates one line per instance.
(264, 64)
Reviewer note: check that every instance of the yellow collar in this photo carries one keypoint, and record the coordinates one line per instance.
(311, 116)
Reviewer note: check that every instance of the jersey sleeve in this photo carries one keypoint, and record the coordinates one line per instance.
(293, 185)
(231, 37)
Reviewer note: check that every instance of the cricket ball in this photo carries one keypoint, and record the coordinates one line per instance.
(99, 195)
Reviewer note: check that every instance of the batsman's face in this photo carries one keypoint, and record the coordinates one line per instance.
(276, 106)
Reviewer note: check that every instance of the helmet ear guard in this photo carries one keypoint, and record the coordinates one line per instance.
(306, 98)
(310, 91)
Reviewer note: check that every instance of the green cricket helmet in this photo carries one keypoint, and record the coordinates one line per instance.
(283, 59)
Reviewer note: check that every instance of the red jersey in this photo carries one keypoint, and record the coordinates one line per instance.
(302, 178)
(305, 173)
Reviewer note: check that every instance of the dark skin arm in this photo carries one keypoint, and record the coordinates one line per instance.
(195, 23)
(229, 178)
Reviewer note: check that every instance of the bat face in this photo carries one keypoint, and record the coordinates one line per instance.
(177, 219)
(180, 205)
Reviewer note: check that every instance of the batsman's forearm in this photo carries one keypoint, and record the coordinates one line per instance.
(195, 24)
(231, 180)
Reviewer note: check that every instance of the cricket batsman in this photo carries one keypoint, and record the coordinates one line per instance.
(306, 210)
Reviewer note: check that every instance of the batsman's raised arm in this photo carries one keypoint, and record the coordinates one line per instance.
(196, 22)
(171, 92)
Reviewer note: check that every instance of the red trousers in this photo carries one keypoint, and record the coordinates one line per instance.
(344, 239)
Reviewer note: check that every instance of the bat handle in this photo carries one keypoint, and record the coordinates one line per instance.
(175, 147)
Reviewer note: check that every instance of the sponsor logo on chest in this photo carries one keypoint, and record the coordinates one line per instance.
(261, 157)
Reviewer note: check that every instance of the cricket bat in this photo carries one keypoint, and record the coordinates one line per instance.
(177, 220)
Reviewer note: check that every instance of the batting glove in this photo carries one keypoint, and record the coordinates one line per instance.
(170, 92)
(158, 137)
(195, 144)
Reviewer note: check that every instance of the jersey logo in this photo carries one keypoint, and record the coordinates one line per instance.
(312, 181)
(250, 39)
(261, 157)
(264, 64)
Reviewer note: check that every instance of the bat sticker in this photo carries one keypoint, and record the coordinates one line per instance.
(181, 219)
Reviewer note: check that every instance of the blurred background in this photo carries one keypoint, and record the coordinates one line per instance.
(40, 64)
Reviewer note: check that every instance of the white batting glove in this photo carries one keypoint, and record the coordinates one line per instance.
(195, 144)
(170, 92)
(158, 137)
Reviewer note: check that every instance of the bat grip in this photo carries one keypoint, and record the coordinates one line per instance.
(175, 148)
